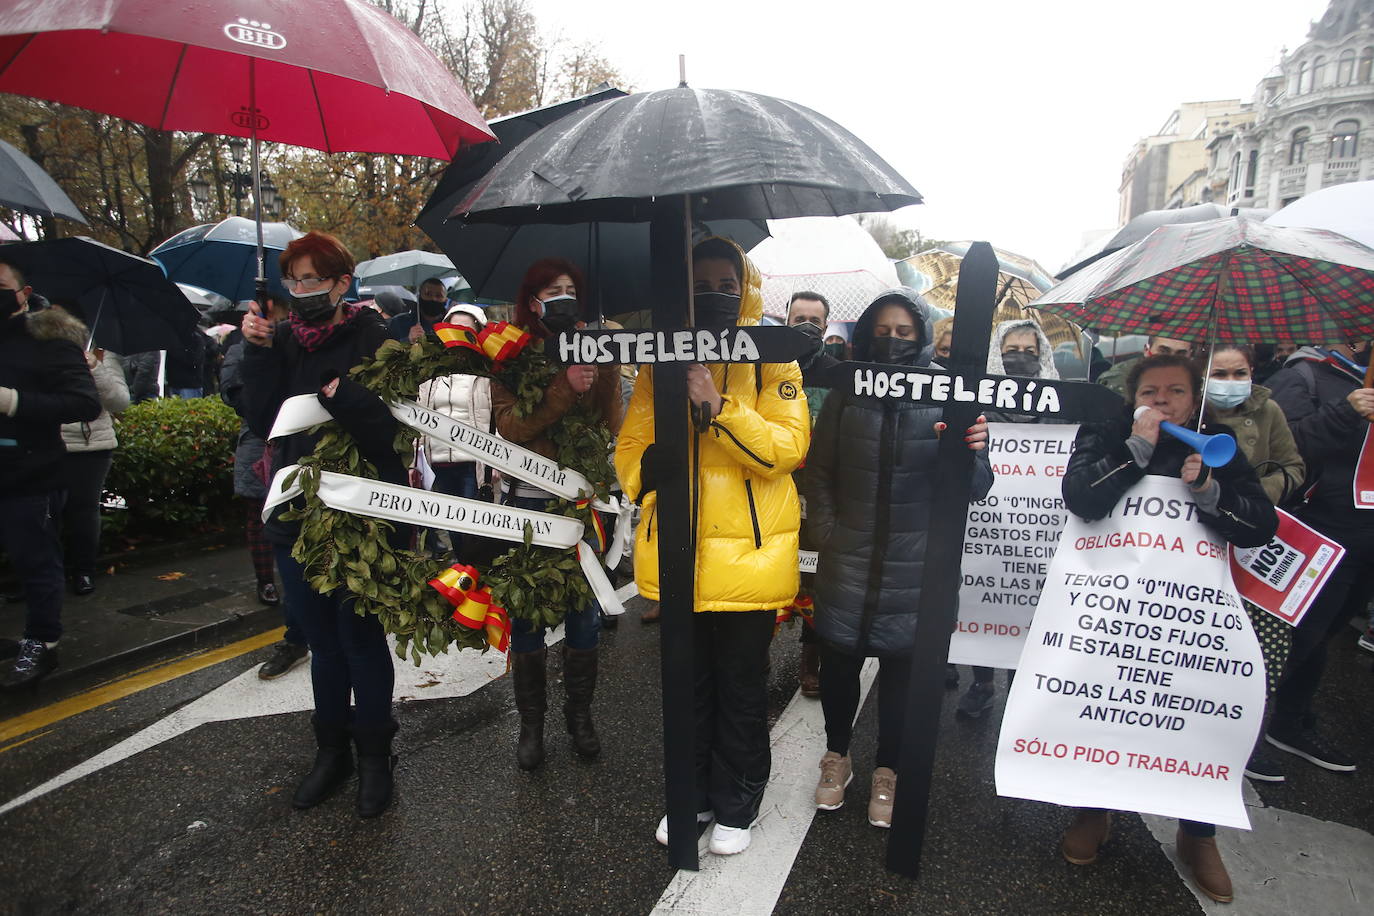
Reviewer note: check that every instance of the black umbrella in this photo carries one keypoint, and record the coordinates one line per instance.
(1147, 222)
(223, 257)
(493, 258)
(670, 158)
(25, 187)
(127, 301)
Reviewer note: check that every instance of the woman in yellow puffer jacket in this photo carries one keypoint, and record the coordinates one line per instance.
(747, 519)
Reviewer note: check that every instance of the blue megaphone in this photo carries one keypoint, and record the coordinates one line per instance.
(1216, 450)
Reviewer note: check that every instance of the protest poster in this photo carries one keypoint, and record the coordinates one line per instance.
(1285, 576)
(1141, 685)
(1009, 542)
(1364, 472)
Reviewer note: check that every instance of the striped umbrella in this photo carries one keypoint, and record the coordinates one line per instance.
(1226, 280)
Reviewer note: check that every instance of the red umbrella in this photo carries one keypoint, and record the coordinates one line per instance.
(334, 75)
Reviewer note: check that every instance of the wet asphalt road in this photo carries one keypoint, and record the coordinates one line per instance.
(202, 823)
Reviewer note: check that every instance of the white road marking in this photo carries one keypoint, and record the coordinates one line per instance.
(1286, 863)
(749, 883)
(455, 674)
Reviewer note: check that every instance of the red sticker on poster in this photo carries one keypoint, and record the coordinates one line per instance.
(1364, 473)
(1284, 576)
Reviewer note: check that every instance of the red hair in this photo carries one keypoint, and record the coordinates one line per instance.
(331, 257)
(541, 274)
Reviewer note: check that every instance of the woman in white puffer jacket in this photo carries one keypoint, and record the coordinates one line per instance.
(466, 398)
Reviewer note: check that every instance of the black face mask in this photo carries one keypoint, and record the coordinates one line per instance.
(431, 310)
(834, 349)
(815, 332)
(561, 313)
(716, 310)
(896, 351)
(1019, 362)
(313, 308)
(9, 303)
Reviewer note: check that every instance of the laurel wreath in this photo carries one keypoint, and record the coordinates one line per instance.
(342, 550)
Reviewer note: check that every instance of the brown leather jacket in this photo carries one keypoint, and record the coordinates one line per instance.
(530, 430)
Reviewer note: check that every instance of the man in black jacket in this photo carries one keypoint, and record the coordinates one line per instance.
(1329, 410)
(44, 382)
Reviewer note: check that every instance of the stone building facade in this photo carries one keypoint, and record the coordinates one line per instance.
(1312, 125)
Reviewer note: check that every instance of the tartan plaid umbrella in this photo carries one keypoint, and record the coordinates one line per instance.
(1226, 280)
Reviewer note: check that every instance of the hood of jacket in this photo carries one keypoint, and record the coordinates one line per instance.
(999, 335)
(58, 324)
(1319, 355)
(906, 297)
(750, 285)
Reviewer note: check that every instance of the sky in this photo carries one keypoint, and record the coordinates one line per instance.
(1012, 118)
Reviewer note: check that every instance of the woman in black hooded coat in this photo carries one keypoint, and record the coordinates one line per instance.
(869, 485)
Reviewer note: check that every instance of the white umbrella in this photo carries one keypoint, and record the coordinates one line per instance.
(1344, 208)
(405, 268)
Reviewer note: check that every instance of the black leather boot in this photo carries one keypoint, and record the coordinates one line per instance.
(375, 763)
(527, 670)
(579, 680)
(333, 765)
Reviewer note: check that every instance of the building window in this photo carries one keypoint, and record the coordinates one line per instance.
(1318, 73)
(1233, 181)
(1344, 139)
(1251, 169)
(1304, 78)
(1345, 69)
(1297, 150)
(1366, 65)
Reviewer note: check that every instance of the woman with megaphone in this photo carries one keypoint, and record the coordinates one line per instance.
(1165, 398)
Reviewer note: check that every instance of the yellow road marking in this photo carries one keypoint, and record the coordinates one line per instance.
(10, 747)
(118, 690)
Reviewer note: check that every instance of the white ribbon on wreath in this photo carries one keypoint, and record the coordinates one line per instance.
(376, 499)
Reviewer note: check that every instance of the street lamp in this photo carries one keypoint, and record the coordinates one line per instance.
(240, 180)
(200, 193)
(271, 198)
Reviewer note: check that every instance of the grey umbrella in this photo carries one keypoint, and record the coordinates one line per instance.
(494, 258)
(1147, 222)
(25, 187)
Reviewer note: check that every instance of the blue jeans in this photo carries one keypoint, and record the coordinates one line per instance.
(456, 480)
(581, 628)
(187, 393)
(348, 651)
(29, 534)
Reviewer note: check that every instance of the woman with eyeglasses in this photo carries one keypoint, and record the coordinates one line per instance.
(311, 353)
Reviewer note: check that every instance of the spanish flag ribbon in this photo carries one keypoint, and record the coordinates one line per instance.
(803, 606)
(456, 335)
(472, 607)
(597, 525)
(502, 341)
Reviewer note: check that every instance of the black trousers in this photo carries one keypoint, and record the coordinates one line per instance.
(29, 534)
(840, 702)
(85, 474)
(733, 755)
(1345, 595)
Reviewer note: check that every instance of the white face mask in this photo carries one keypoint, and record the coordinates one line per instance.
(1228, 393)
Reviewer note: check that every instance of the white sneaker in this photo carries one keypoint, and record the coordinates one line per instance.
(661, 834)
(727, 841)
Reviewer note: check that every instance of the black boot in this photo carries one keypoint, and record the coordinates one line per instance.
(333, 765)
(527, 668)
(375, 763)
(579, 680)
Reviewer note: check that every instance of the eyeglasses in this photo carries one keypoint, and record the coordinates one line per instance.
(307, 283)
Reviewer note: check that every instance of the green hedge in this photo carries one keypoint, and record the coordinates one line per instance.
(174, 467)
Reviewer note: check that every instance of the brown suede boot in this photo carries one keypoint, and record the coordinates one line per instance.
(1202, 857)
(1086, 835)
(810, 670)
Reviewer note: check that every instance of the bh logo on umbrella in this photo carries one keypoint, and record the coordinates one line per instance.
(257, 34)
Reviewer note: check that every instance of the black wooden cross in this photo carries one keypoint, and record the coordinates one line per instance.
(965, 392)
(670, 349)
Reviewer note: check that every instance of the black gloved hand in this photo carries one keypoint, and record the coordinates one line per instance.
(656, 467)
